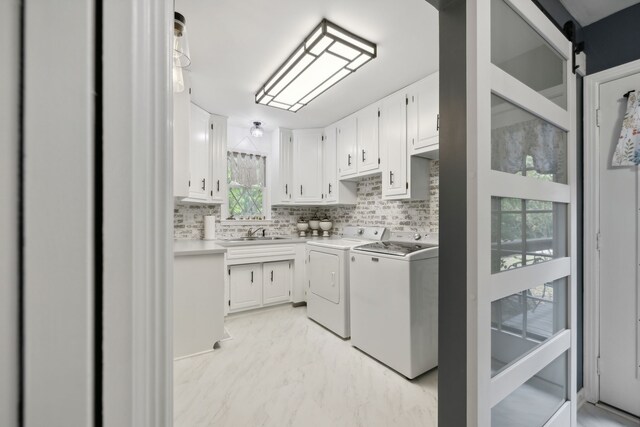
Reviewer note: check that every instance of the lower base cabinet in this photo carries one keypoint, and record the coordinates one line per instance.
(276, 282)
(258, 285)
(198, 303)
(245, 286)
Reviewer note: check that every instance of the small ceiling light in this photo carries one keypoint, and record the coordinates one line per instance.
(256, 130)
(325, 57)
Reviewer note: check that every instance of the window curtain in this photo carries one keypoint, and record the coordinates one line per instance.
(628, 148)
(545, 143)
(246, 170)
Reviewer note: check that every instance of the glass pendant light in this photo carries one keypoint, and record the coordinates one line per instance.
(180, 41)
(181, 55)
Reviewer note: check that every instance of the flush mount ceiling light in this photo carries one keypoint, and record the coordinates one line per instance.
(325, 57)
(256, 130)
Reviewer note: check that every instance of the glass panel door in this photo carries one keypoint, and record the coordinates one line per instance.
(525, 215)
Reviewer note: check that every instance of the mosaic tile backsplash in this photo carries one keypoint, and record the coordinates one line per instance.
(370, 209)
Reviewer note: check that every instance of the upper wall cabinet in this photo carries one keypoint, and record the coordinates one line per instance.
(347, 147)
(367, 140)
(181, 120)
(207, 157)
(334, 191)
(404, 177)
(218, 142)
(423, 118)
(358, 144)
(307, 166)
(393, 125)
(282, 167)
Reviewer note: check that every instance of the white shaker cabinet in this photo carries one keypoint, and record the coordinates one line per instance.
(367, 142)
(282, 167)
(199, 154)
(404, 177)
(207, 157)
(334, 191)
(347, 147)
(307, 166)
(393, 135)
(245, 286)
(423, 122)
(276, 282)
(218, 142)
(181, 119)
(198, 303)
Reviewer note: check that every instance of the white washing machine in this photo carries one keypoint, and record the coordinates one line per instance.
(394, 301)
(327, 274)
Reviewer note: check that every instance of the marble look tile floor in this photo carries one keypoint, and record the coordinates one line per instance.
(281, 369)
(593, 416)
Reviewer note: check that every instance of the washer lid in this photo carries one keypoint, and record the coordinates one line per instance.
(395, 248)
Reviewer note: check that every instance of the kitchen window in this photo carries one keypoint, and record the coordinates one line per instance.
(246, 178)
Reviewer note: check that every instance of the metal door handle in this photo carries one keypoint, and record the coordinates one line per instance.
(271, 275)
(438, 122)
(203, 182)
(301, 190)
(329, 188)
(286, 189)
(252, 277)
(218, 186)
(363, 156)
(390, 178)
(349, 160)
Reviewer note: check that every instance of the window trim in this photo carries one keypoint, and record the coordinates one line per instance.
(266, 195)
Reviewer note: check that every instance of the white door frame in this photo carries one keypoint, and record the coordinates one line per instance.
(592, 85)
(138, 213)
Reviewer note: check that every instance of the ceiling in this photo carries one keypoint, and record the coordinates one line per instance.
(236, 45)
(589, 11)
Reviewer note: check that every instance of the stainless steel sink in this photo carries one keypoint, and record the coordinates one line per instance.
(254, 238)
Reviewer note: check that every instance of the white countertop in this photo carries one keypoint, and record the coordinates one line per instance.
(293, 238)
(197, 247)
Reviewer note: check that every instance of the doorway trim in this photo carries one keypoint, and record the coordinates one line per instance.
(591, 271)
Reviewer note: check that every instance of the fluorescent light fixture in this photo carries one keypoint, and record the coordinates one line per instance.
(325, 57)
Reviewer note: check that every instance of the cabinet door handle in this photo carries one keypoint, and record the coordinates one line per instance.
(301, 190)
(329, 188)
(349, 160)
(203, 182)
(286, 189)
(272, 276)
(363, 156)
(218, 186)
(252, 277)
(438, 122)
(390, 178)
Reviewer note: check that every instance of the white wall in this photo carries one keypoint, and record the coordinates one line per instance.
(239, 139)
(9, 109)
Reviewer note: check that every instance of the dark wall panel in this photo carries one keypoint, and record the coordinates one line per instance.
(613, 40)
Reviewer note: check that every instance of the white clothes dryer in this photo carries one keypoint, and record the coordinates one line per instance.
(327, 274)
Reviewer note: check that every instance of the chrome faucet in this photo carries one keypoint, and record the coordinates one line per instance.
(251, 233)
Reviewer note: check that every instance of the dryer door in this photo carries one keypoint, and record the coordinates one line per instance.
(324, 275)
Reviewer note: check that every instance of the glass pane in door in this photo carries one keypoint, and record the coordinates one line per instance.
(524, 321)
(520, 51)
(526, 232)
(535, 401)
(525, 145)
